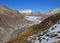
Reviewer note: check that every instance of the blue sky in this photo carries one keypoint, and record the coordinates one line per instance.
(35, 5)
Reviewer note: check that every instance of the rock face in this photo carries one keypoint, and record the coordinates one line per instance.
(10, 20)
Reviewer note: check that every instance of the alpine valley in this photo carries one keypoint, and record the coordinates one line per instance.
(27, 26)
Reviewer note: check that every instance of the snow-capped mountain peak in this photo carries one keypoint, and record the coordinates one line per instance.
(57, 10)
(27, 11)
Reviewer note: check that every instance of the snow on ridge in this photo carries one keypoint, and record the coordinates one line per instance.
(57, 10)
(27, 11)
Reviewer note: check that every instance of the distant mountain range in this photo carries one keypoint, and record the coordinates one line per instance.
(30, 12)
(37, 17)
(34, 17)
(26, 11)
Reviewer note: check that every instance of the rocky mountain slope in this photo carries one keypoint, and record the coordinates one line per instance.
(10, 21)
(48, 36)
(45, 26)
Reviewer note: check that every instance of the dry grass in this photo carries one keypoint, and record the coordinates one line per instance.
(57, 42)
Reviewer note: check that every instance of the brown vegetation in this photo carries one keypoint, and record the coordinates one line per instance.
(57, 42)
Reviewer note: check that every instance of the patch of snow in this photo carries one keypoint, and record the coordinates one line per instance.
(53, 38)
(37, 41)
(50, 36)
(33, 19)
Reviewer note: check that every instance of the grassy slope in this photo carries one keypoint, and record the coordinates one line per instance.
(45, 24)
